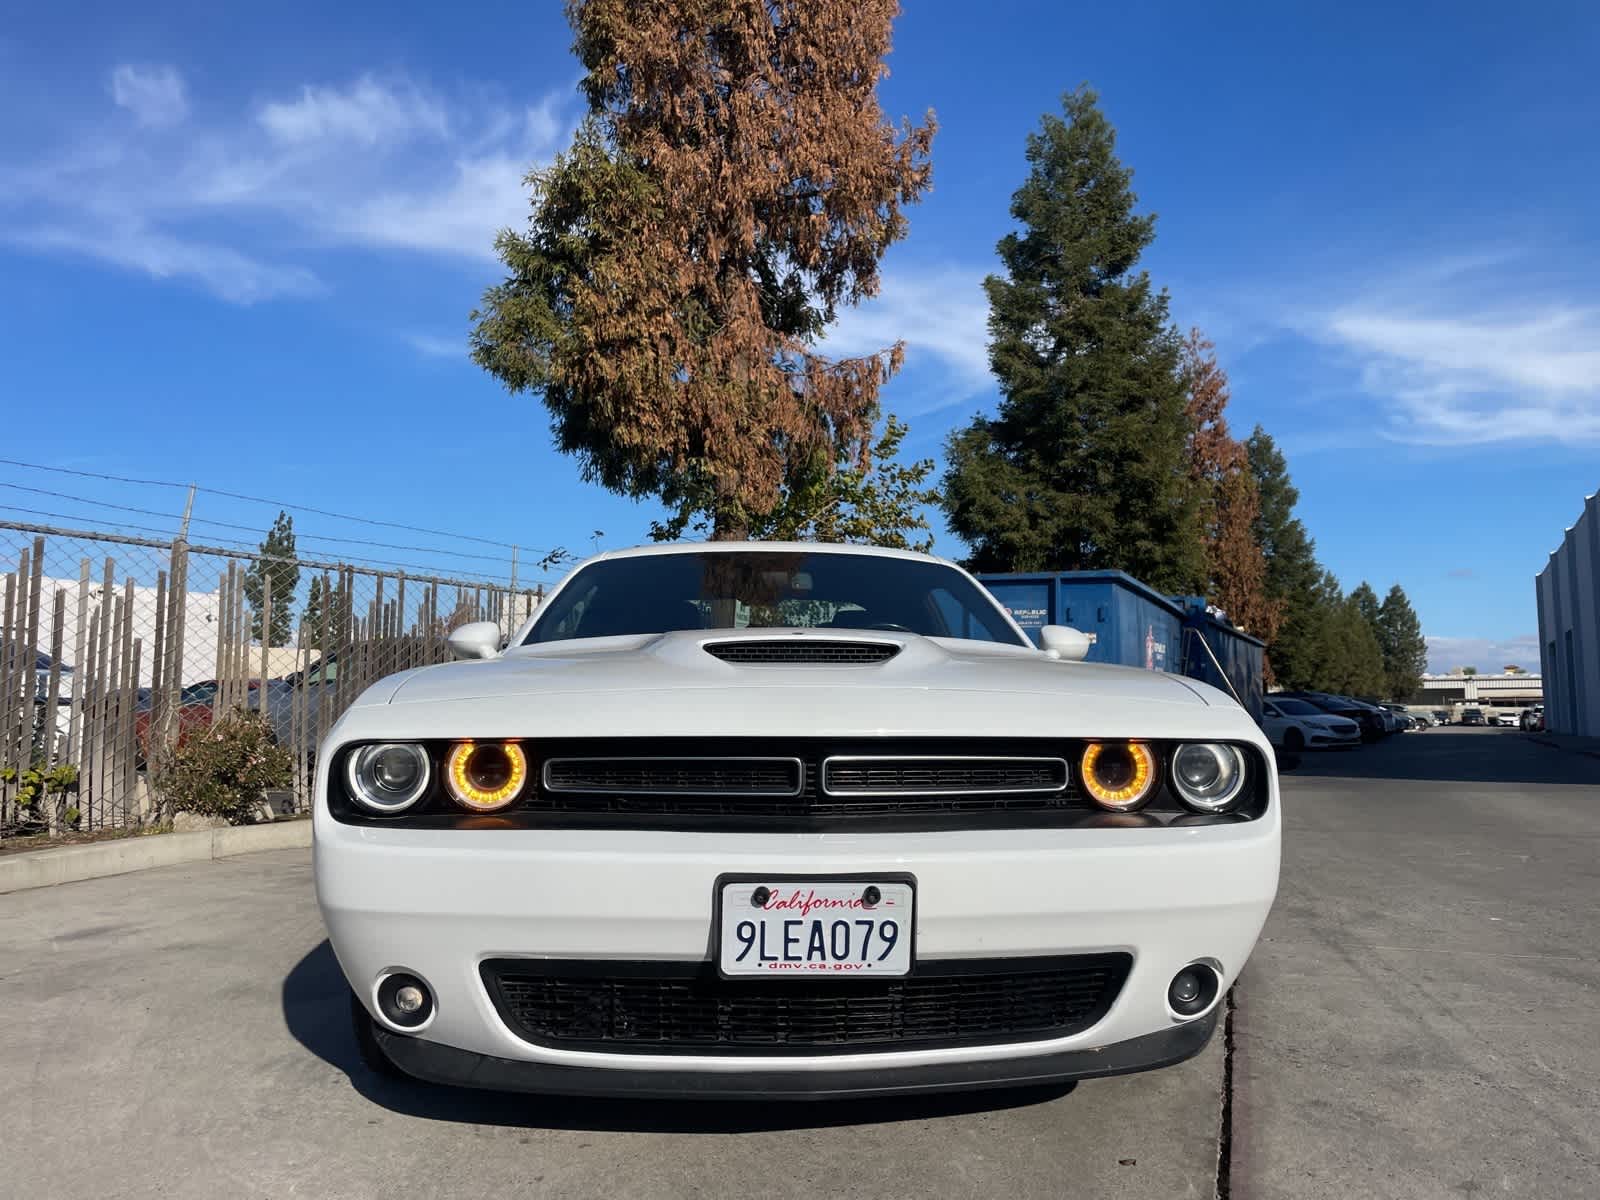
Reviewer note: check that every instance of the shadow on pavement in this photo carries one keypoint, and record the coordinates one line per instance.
(316, 1010)
(1454, 755)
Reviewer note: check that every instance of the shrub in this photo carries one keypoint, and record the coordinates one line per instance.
(38, 787)
(223, 770)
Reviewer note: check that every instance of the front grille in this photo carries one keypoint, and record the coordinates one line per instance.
(883, 775)
(666, 1008)
(777, 784)
(803, 651)
(675, 776)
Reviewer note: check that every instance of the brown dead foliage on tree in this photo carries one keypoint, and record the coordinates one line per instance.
(734, 183)
(1220, 466)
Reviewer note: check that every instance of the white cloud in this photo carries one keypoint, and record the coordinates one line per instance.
(243, 202)
(1473, 351)
(156, 96)
(433, 345)
(233, 276)
(942, 316)
(1445, 654)
(458, 214)
(367, 112)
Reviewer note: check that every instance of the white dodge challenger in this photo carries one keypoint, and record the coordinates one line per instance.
(773, 820)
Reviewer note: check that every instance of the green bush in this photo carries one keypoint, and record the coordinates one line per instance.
(36, 788)
(223, 770)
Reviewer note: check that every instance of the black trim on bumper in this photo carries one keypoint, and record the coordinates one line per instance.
(436, 1063)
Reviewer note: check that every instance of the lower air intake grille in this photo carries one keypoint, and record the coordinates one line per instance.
(656, 1008)
(797, 650)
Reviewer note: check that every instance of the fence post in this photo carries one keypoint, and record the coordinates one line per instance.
(164, 741)
(9, 654)
(157, 661)
(126, 771)
(219, 699)
(80, 631)
(54, 806)
(266, 637)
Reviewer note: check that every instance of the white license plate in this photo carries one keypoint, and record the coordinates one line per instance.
(840, 928)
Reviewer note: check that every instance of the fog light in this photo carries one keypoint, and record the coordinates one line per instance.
(1192, 990)
(409, 1000)
(1185, 990)
(404, 1000)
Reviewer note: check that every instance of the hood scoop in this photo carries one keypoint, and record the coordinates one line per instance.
(803, 651)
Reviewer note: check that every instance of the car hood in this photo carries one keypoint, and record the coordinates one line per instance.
(669, 685)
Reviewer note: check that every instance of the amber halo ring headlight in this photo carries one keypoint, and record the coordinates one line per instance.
(1208, 776)
(1120, 776)
(484, 777)
(388, 777)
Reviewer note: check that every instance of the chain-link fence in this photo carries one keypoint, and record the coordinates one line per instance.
(114, 648)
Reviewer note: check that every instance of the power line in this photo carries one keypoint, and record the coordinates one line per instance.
(299, 536)
(11, 462)
(235, 543)
(148, 512)
(39, 512)
(281, 504)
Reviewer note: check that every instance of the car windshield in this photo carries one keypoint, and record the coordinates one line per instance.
(661, 593)
(1298, 708)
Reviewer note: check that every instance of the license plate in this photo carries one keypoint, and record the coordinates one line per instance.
(842, 928)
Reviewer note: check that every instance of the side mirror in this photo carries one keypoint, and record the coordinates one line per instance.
(1064, 642)
(480, 639)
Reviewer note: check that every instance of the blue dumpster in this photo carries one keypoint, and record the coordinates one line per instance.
(1136, 626)
(1129, 624)
(1215, 652)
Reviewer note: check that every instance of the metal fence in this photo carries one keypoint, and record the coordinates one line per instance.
(113, 648)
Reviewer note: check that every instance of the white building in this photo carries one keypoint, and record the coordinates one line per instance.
(1569, 627)
(1508, 690)
(202, 615)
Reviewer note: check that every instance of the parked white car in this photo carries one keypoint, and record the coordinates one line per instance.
(1295, 725)
(782, 820)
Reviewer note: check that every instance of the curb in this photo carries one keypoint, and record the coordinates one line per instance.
(71, 864)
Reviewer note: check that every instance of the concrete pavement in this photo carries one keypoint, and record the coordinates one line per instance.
(183, 1032)
(1419, 1020)
(1422, 1015)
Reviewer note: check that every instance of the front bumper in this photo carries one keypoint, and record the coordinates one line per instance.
(436, 1063)
(437, 904)
(1332, 740)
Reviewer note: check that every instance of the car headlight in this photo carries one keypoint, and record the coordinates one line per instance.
(1118, 775)
(1208, 776)
(485, 776)
(389, 777)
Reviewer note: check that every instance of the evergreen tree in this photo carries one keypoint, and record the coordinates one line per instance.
(734, 182)
(311, 615)
(1352, 660)
(1293, 580)
(1084, 464)
(879, 505)
(1405, 650)
(277, 560)
(1366, 602)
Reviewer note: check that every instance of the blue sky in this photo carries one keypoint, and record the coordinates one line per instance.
(238, 245)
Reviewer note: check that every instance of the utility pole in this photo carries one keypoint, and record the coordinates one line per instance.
(188, 508)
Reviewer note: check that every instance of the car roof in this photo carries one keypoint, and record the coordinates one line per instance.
(656, 548)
